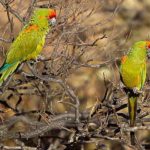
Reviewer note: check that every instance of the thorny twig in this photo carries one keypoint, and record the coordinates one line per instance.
(9, 20)
(5, 40)
(12, 11)
(69, 91)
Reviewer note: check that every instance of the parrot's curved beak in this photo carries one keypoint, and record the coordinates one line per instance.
(148, 54)
(148, 49)
(52, 21)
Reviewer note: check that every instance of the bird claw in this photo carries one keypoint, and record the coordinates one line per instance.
(137, 91)
(40, 57)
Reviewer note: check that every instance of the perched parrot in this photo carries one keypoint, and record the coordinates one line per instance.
(133, 75)
(29, 42)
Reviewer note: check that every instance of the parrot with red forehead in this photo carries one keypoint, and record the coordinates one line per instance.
(133, 75)
(29, 42)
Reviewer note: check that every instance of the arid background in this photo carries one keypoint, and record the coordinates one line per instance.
(70, 97)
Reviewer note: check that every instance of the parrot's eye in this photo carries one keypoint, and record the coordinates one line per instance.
(52, 21)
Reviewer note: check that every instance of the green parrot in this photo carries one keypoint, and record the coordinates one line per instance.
(29, 42)
(133, 76)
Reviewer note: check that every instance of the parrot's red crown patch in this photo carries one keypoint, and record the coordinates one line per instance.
(148, 44)
(52, 14)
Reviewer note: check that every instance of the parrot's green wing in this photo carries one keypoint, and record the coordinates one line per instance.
(143, 74)
(27, 45)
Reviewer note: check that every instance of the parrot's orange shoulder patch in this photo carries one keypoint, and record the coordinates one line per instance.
(31, 27)
(123, 59)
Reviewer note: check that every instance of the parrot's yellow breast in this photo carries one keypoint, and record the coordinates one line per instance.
(133, 74)
(131, 79)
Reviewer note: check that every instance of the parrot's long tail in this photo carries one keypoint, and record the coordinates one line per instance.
(6, 70)
(132, 107)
